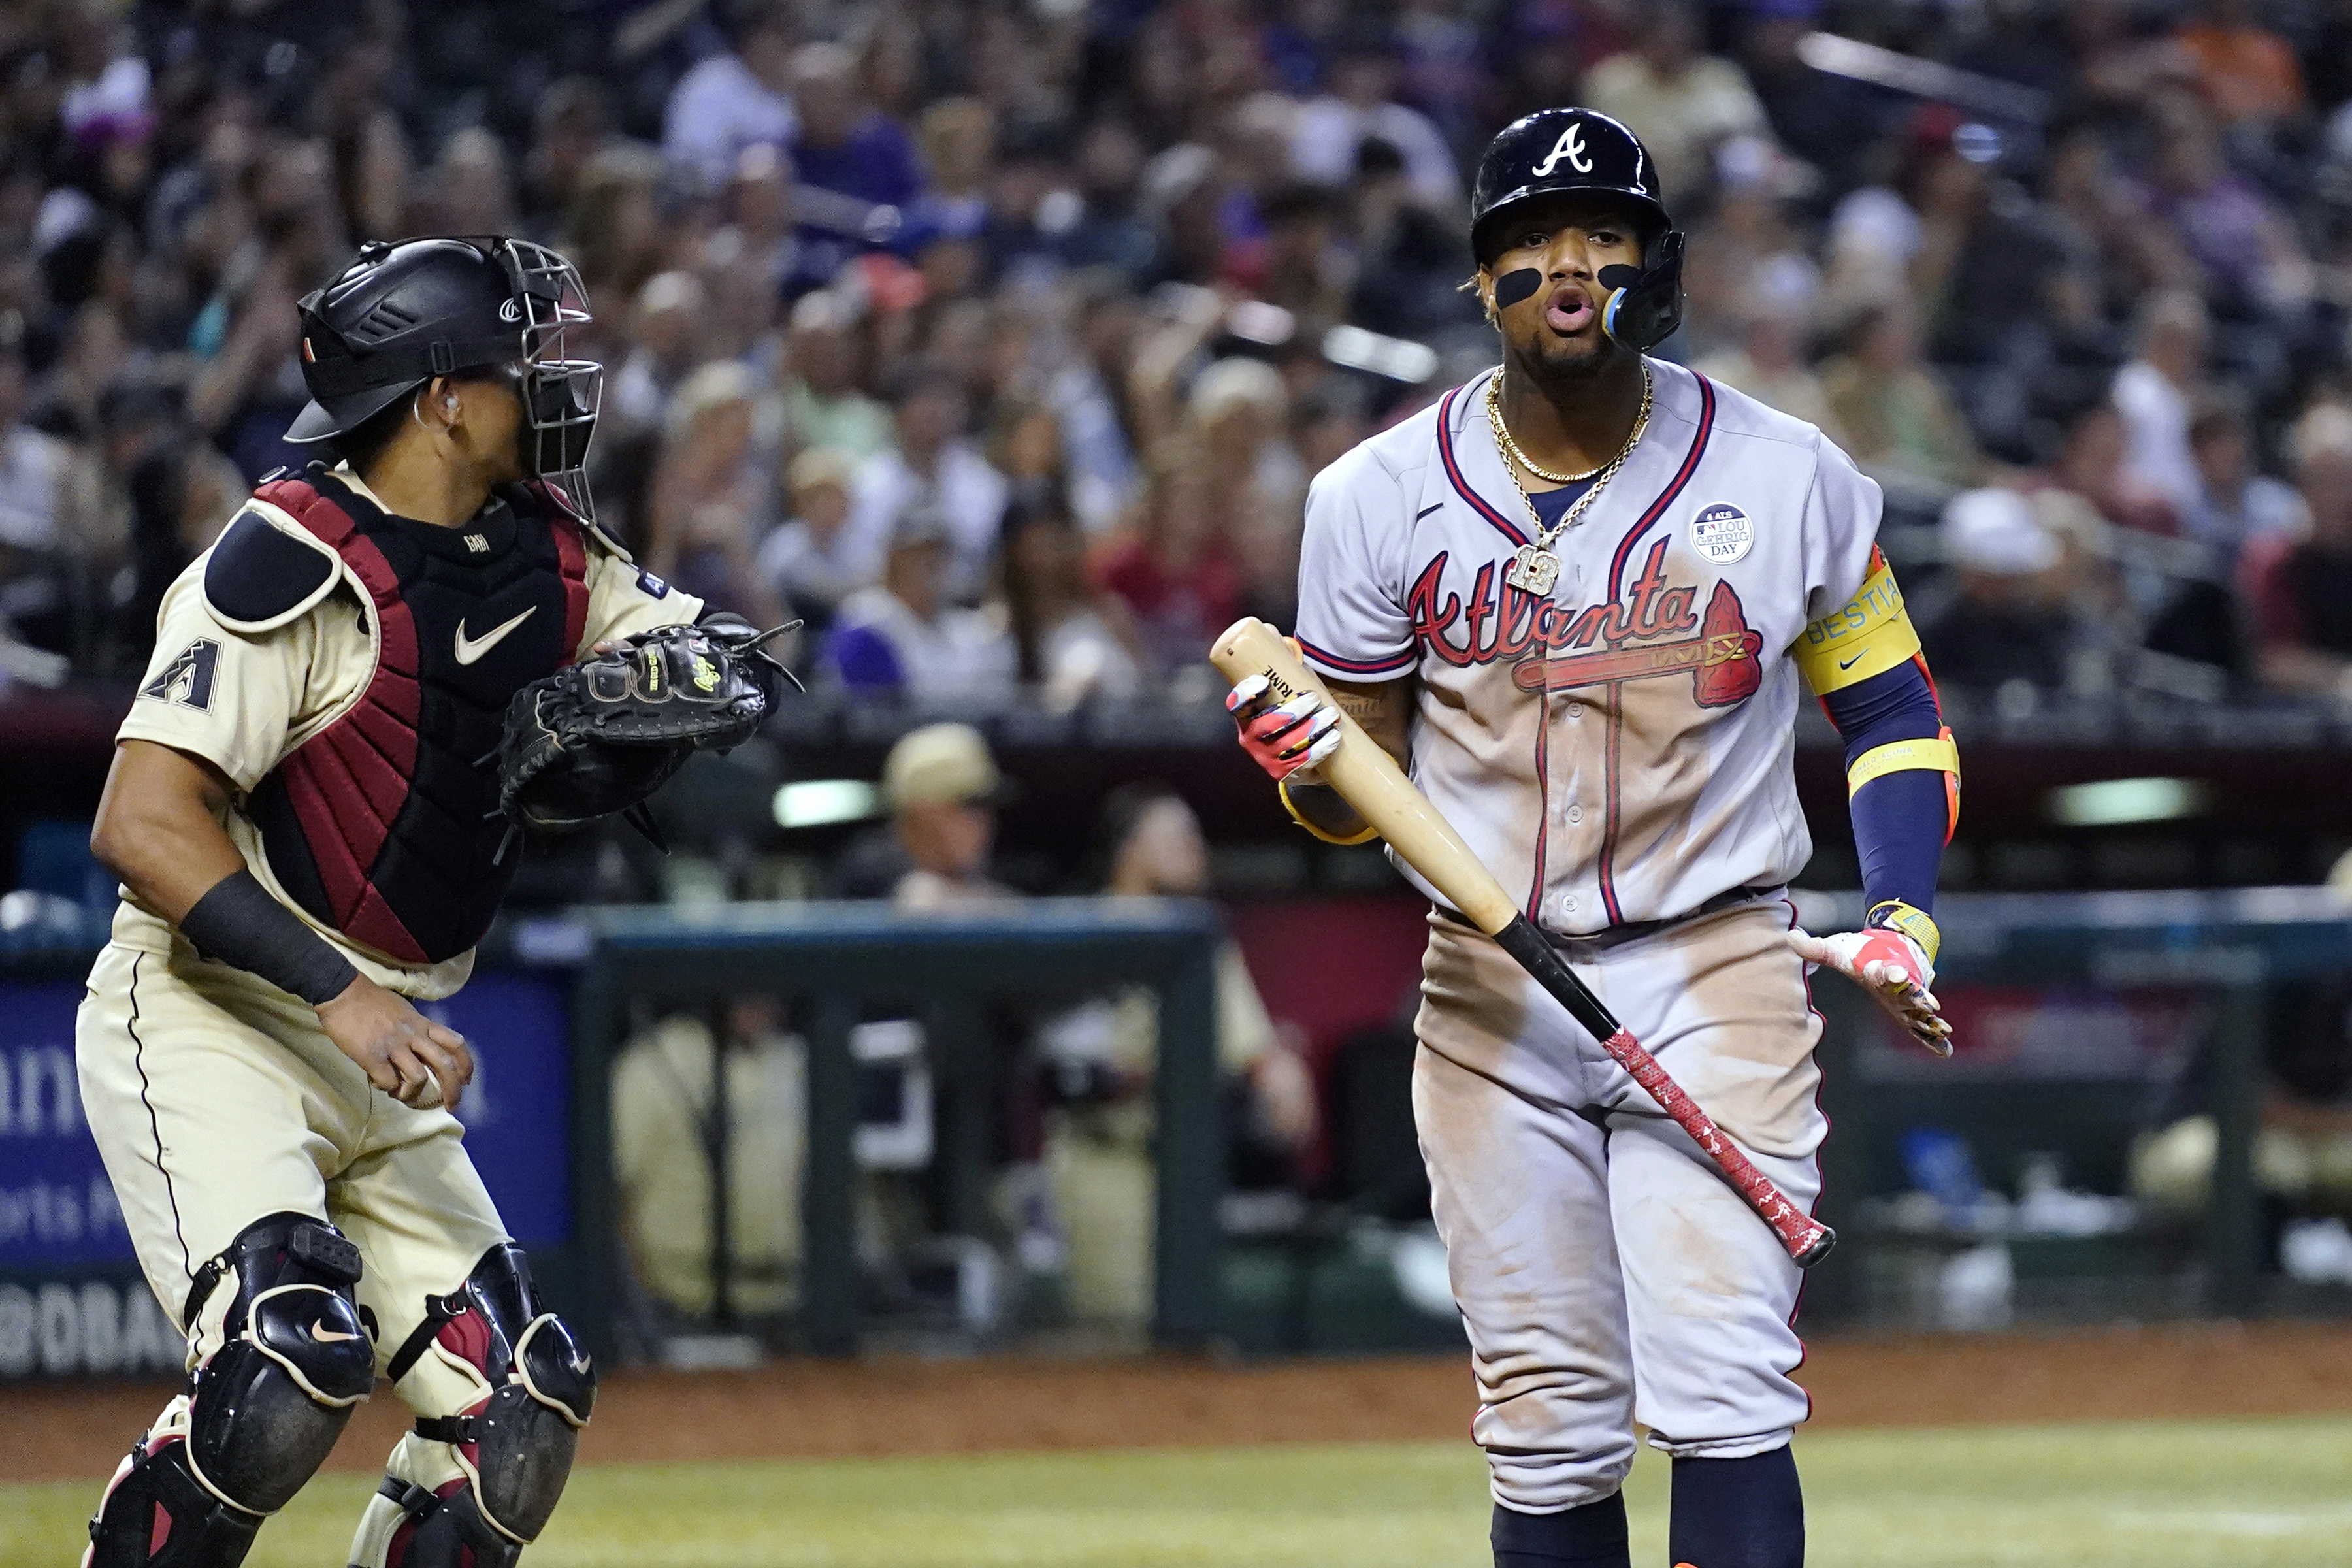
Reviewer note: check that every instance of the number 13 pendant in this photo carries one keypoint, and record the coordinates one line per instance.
(1533, 571)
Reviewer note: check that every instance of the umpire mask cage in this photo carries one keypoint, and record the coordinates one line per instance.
(401, 314)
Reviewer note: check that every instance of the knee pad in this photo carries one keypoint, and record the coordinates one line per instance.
(268, 1406)
(262, 1411)
(515, 1442)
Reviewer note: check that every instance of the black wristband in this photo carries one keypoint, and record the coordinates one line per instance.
(239, 924)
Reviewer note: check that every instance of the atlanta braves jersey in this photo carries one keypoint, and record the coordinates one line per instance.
(1622, 750)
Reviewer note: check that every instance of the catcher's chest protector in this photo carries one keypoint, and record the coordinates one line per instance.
(381, 825)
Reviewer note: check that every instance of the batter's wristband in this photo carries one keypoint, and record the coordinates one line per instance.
(237, 922)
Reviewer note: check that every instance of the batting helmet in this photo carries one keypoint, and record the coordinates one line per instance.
(1576, 150)
(401, 314)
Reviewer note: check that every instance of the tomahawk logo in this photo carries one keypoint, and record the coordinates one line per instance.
(1569, 146)
(187, 680)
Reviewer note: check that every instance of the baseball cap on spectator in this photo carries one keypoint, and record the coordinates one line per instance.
(1992, 531)
(943, 764)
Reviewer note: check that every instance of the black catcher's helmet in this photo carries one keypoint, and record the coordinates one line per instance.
(1579, 151)
(401, 314)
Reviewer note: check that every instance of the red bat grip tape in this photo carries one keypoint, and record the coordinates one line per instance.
(1807, 1239)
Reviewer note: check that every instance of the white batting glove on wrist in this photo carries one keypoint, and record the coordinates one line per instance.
(1891, 968)
(1286, 739)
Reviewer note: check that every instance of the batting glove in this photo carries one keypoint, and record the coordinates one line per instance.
(1891, 967)
(1285, 738)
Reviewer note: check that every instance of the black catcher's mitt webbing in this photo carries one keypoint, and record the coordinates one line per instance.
(600, 736)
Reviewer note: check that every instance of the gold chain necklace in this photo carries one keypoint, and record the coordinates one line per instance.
(1535, 568)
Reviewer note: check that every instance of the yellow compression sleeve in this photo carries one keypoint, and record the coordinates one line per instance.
(1366, 837)
(1870, 636)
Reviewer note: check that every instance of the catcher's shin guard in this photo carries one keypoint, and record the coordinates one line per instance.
(262, 1411)
(514, 1442)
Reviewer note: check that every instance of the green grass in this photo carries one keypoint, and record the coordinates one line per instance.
(2151, 1495)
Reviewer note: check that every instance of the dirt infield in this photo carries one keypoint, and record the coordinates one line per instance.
(903, 1405)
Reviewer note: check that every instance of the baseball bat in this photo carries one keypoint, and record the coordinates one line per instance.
(1369, 779)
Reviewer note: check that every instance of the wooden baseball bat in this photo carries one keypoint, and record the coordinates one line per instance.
(1369, 779)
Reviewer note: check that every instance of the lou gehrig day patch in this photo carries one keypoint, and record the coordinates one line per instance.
(1722, 533)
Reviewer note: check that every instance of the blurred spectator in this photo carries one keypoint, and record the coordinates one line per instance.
(713, 496)
(570, 126)
(1175, 572)
(2299, 592)
(1071, 641)
(2001, 615)
(1768, 365)
(812, 563)
(1893, 414)
(1825, 120)
(822, 407)
(1238, 418)
(664, 1136)
(1107, 230)
(2235, 508)
(2246, 72)
(943, 790)
(468, 189)
(1361, 103)
(2090, 463)
(735, 98)
(959, 144)
(666, 329)
(1102, 1058)
(847, 147)
(905, 636)
(1679, 101)
(2252, 259)
(1410, 254)
(2155, 393)
(932, 463)
(58, 542)
(614, 231)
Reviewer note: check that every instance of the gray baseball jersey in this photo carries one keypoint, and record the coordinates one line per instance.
(1621, 751)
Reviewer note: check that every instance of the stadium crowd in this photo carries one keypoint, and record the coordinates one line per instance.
(999, 340)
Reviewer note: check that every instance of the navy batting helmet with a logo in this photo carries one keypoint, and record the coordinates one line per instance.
(1556, 150)
(1578, 151)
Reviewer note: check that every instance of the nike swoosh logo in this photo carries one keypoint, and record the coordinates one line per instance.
(327, 1336)
(580, 1365)
(471, 648)
(1843, 664)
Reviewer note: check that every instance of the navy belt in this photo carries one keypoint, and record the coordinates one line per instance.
(1633, 930)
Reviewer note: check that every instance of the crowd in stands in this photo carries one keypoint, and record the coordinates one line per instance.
(996, 340)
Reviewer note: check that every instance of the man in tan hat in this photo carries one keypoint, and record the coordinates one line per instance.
(942, 788)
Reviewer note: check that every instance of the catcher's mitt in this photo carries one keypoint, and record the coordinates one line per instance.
(600, 736)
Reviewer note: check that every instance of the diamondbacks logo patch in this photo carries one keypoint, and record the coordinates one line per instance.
(188, 679)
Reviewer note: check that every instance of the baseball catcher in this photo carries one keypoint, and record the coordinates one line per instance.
(384, 666)
(1579, 593)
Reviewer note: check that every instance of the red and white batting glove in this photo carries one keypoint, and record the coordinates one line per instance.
(1284, 738)
(1892, 967)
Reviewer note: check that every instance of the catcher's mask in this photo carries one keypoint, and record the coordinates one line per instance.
(401, 314)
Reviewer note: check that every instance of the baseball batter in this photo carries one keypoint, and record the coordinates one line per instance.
(308, 843)
(1576, 596)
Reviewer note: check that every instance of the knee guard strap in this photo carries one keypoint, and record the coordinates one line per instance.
(267, 1406)
(157, 1514)
(515, 1442)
